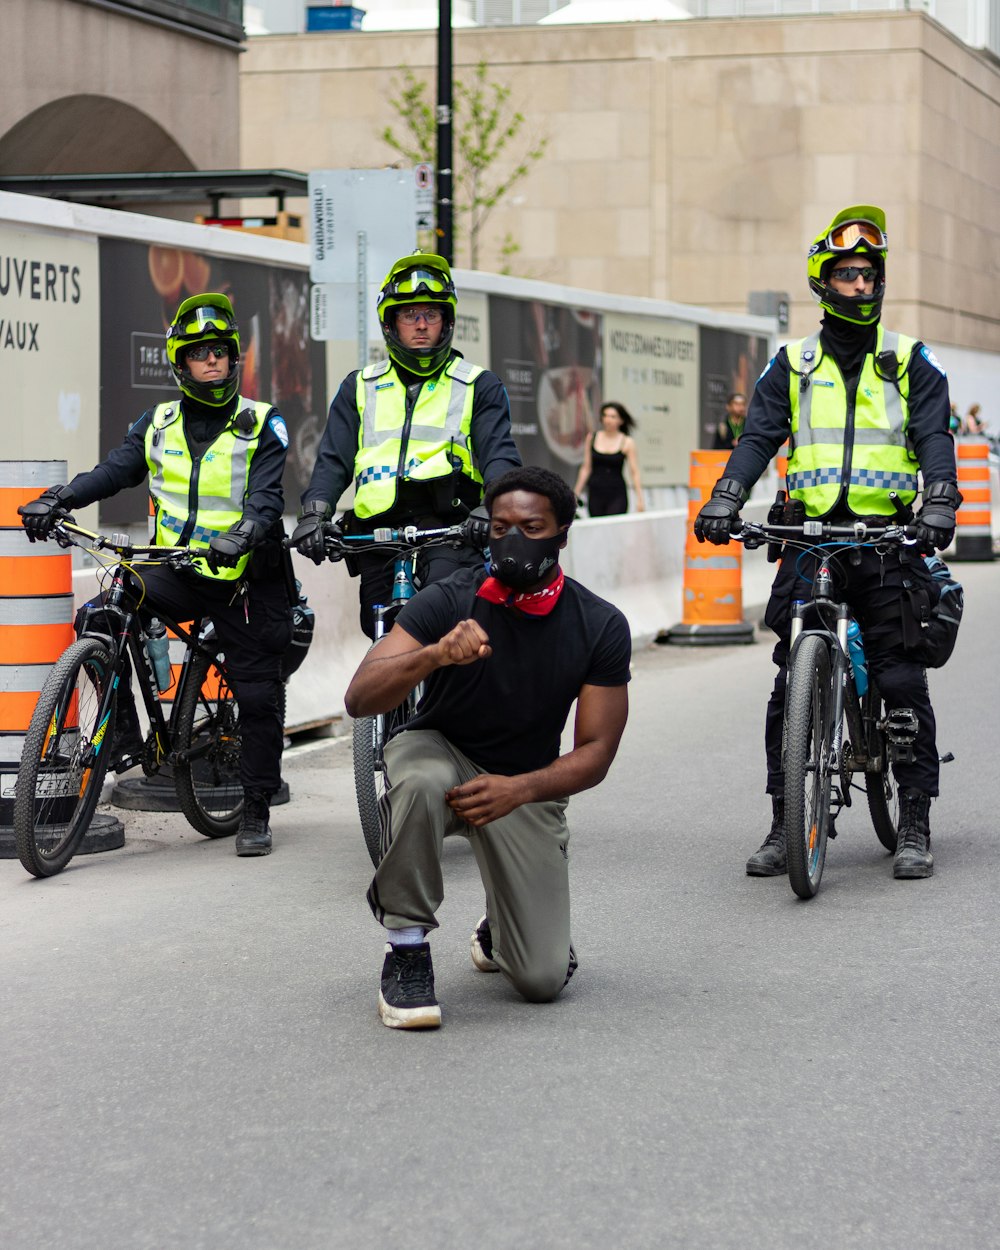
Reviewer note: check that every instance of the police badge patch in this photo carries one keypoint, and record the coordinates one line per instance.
(931, 359)
(281, 430)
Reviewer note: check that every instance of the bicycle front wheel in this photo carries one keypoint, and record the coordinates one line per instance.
(880, 784)
(207, 734)
(371, 733)
(808, 778)
(64, 759)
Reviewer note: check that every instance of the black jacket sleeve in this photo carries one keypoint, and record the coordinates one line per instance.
(125, 466)
(768, 424)
(492, 442)
(264, 501)
(930, 409)
(333, 471)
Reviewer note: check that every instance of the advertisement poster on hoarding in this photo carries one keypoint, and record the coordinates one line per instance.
(472, 328)
(729, 362)
(651, 366)
(549, 357)
(141, 287)
(49, 302)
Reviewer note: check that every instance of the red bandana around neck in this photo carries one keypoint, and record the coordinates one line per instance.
(536, 603)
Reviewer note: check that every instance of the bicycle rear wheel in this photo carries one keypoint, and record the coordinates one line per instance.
(371, 733)
(64, 759)
(880, 784)
(207, 730)
(808, 778)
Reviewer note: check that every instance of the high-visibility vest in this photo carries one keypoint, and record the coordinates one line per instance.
(434, 444)
(874, 457)
(194, 500)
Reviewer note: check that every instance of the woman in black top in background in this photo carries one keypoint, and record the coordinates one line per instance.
(605, 455)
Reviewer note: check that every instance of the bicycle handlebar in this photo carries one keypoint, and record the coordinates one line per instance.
(754, 533)
(67, 533)
(407, 537)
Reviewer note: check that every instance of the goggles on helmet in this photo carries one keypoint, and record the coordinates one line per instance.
(847, 235)
(204, 320)
(418, 282)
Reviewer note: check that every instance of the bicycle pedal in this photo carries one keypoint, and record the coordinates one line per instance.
(946, 759)
(900, 726)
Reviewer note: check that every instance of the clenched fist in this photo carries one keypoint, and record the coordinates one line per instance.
(465, 644)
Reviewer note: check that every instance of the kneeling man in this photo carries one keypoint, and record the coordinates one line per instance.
(504, 656)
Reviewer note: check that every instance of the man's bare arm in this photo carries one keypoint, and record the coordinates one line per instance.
(601, 714)
(398, 662)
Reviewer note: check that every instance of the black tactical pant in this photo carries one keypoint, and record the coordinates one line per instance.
(874, 589)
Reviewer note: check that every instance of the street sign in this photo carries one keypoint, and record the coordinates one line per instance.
(424, 182)
(333, 312)
(346, 202)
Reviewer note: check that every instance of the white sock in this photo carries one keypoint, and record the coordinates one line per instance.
(411, 936)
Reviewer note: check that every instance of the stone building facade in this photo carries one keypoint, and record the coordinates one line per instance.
(694, 161)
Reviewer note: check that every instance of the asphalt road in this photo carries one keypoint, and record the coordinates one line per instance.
(191, 1054)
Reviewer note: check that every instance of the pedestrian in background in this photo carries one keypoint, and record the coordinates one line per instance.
(605, 454)
(972, 423)
(727, 433)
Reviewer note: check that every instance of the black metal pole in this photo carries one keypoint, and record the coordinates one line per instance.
(445, 241)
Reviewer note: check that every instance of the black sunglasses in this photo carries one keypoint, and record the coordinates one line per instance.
(849, 272)
(219, 350)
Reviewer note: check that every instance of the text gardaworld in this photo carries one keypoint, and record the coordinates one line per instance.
(21, 336)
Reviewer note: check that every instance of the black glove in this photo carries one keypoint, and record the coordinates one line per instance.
(307, 536)
(39, 516)
(715, 520)
(477, 528)
(936, 519)
(226, 550)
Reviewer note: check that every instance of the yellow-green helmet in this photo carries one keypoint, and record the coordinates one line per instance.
(422, 278)
(858, 230)
(209, 316)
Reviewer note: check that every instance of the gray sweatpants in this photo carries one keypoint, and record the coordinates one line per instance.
(522, 860)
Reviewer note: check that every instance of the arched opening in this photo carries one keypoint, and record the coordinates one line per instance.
(89, 134)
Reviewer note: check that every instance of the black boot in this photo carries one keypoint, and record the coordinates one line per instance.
(913, 847)
(254, 836)
(770, 860)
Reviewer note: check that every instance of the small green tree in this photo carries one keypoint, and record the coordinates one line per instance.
(484, 126)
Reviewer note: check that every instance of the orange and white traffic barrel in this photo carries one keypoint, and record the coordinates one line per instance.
(36, 613)
(712, 610)
(973, 533)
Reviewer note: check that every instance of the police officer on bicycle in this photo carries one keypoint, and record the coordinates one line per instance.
(418, 433)
(214, 461)
(865, 410)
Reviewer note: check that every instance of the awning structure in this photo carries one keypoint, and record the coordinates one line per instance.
(193, 186)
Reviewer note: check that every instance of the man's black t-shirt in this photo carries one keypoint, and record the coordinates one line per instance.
(507, 712)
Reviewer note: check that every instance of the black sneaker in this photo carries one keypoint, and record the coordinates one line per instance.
(770, 860)
(254, 835)
(481, 943)
(406, 999)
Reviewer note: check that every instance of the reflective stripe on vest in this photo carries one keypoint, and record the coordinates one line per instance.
(223, 473)
(439, 429)
(879, 456)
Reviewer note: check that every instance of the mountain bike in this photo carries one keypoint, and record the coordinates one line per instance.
(371, 733)
(819, 759)
(67, 747)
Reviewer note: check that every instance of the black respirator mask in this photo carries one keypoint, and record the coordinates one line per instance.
(519, 561)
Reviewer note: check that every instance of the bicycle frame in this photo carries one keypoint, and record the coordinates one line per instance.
(128, 637)
(846, 701)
